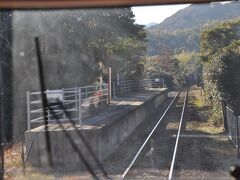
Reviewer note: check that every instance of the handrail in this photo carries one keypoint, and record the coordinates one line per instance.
(124, 87)
(72, 98)
(88, 95)
(67, 90)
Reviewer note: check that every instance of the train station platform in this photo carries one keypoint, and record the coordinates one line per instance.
(104, 130)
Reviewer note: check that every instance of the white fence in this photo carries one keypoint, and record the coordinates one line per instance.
(125, 87)
(74, 101)
(77, 101)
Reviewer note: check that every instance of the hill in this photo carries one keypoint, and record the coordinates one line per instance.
(182, 30)
(150, 24)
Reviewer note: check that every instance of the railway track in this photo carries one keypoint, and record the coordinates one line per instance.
(152, 133)
(155, 157)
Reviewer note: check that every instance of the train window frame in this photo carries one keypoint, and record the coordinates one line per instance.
(66, 4)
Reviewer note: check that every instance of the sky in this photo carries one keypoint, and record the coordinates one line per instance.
(148, 14)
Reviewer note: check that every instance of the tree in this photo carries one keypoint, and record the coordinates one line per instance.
(220, 54)
(73, 43)
(190, 67)
(164, 66)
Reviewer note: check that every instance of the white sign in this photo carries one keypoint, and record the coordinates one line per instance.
(53, 95)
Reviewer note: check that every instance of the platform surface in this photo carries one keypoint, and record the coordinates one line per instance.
(100, 117)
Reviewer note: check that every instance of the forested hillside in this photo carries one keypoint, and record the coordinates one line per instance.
(204, 39)
(182, 30)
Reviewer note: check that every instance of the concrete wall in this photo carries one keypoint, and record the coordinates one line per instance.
(103, 140)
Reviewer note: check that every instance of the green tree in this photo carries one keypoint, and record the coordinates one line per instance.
(164, 66)
(220, 54)
(190, 67)
(74, 43)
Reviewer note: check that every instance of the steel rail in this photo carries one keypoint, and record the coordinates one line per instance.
(177, 139)
(40, 110)
(67, 102)
(54, 120)
(55, 110)
(149, 136)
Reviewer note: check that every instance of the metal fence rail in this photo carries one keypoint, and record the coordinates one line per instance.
(79, 100)
(74, 100)
(232, 120)
(232, 125)
(130, 86)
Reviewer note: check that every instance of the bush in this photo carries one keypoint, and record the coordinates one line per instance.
(221, 61)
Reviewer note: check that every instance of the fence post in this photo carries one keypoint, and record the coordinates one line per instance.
(224, 115)
(48, 110)
(63, 99)
(109, 84)
(129, 86)
(28, 111)
(80, 107)
(238, 143)
(76, 99)
(114, 93)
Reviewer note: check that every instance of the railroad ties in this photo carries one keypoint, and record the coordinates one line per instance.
(153, 134)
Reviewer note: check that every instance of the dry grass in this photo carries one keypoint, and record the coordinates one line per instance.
(201, 110)
(203, 127)
(32, 176)
(13, 161)
(172, 126)
(14, 168)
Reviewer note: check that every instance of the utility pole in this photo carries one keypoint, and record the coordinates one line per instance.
(100, 78)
